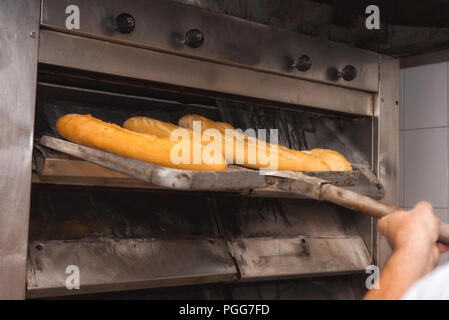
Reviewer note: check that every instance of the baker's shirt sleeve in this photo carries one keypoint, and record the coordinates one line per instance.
(434, 286)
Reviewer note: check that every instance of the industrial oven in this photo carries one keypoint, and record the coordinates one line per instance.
(164, 59)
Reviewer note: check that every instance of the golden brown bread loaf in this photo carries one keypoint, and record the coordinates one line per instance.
(288, 160)
(92, 132)
(333, 159)
(163, 129)
(150, 126)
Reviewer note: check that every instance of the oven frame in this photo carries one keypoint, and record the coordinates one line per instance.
(49, 44)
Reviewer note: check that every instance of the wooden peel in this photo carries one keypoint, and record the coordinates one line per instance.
(319, 189)
(322, 186)
(366, 205)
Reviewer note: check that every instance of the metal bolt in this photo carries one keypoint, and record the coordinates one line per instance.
(33, 34)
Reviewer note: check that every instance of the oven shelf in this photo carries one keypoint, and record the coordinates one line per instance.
(126, 264)
(54, 170)
(57, 161)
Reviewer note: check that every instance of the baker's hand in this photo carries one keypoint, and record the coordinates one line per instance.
(415, 231)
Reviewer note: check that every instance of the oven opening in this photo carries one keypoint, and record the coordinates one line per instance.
(132, 235)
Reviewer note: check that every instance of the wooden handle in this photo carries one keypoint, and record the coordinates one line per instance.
(369, 206)
(443, 235)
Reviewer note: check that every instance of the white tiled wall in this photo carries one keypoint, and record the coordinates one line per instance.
(424, 145)
(425, 166)
(425, 96)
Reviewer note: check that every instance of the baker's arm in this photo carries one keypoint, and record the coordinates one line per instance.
(413, 237)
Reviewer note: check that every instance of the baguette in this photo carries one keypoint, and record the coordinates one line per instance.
(291, 160)
(92, 132)
(163, 129)
(333, 159)
(150, 126)
(287, 160)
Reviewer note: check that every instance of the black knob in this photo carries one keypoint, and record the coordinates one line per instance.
(194, 38)
(303, 63)
(348, 73)
(125, 23)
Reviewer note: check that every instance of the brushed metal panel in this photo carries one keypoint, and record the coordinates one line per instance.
(273, 239)
(387, 144)
(302, 256)
(107, 265)
(162, 24)
(18, 65)
(60, 49)
(324, 288)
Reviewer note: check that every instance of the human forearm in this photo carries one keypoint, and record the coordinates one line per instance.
(413, 236)
(405, 267)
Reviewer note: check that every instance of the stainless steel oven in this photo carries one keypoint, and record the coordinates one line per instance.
(164, 59)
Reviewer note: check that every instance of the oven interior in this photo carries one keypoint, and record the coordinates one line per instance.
(130, 239)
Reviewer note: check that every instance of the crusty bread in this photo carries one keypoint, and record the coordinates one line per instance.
(333, 159)
(287, 160)
(150, 126)
(224, 125)
(92, 132)
(163, 129)
(187, 122)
